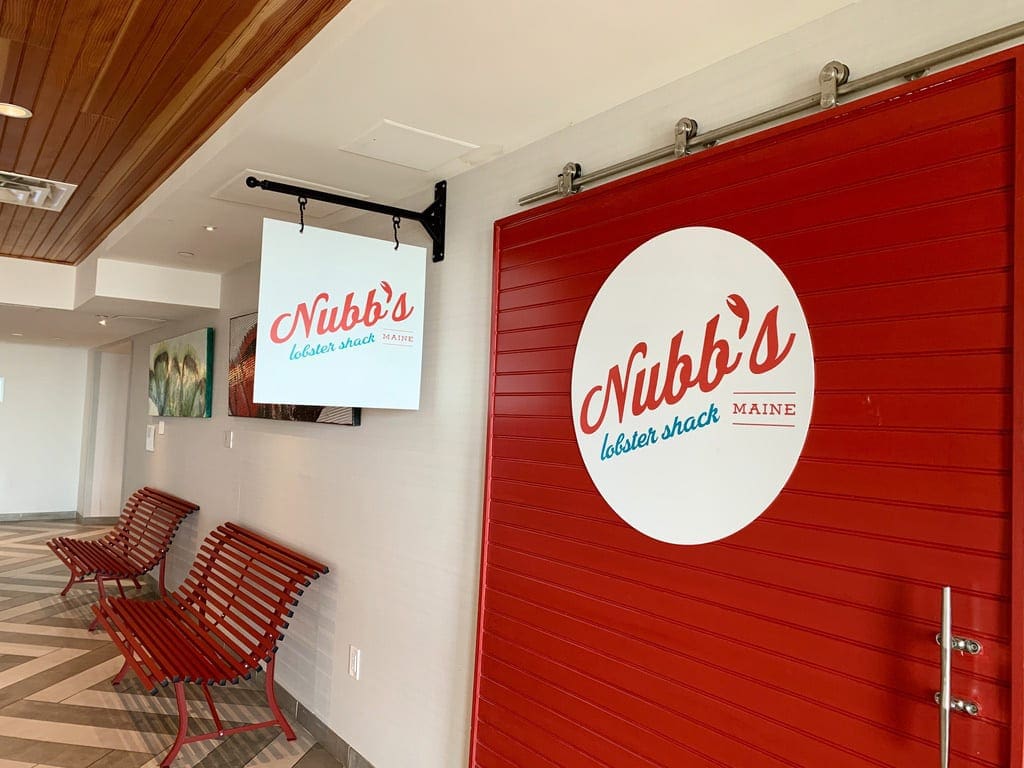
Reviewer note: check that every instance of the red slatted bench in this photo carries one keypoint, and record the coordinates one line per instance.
(137, 544)
(219, 626)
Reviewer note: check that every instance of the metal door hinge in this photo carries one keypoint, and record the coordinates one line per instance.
(965, 706)
(832, 75)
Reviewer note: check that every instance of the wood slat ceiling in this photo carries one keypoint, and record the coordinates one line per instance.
(123, 92)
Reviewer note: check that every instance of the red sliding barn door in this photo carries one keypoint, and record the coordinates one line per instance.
(807, 639)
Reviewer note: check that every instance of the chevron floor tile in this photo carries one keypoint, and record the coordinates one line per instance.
(57, 706)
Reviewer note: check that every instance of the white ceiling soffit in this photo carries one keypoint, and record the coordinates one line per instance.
(411, 147)
(236, 191)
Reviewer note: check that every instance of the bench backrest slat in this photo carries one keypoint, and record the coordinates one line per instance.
(283, 571)
(239, 588)
(280, 555)
(260, 576)
(242, 587)
(214, 586)
(147, 524)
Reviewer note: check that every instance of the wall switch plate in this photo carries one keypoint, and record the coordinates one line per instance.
(150, 437)
(354, 657)
(229, 439)
(160, 427)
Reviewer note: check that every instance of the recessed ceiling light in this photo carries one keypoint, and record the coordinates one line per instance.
(210, 228)
(186, 254)
(13, 110)
(17, 334)
(103, 320)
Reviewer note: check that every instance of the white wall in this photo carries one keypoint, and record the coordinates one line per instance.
(40, 427)
(100, 493)
(395, 505)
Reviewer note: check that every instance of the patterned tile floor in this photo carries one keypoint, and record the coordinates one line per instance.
(57, 706)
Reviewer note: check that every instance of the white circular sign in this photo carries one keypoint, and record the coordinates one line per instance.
(692, 385)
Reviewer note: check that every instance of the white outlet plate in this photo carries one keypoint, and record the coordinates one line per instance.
(229, 439)
(354, 657)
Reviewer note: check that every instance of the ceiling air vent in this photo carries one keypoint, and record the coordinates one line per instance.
(18, 189)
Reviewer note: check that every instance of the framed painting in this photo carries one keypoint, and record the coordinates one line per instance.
(241, 374)
(180, 380)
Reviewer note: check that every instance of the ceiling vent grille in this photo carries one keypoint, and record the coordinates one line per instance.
(31, 192)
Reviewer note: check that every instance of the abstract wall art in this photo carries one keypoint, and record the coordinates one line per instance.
(241, 374)
(180, 380)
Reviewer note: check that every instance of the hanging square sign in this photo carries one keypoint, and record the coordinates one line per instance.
(341, 319)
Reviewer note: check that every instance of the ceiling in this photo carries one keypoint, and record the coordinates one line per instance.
(389, 97)
(81, 328)
(121, 91)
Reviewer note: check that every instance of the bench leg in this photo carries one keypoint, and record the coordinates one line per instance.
(272, 701)
(179, 695)
(94, 625)
(120, 675)
(71, 582)
(213, 710)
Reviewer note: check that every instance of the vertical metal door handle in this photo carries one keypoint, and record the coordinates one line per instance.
(946, 644)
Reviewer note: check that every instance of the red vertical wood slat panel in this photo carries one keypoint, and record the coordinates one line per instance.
(805, 639)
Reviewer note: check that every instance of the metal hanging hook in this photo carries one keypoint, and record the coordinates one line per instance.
(397, 222)
(302, 214)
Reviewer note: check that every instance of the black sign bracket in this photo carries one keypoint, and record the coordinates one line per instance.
(432, 218)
